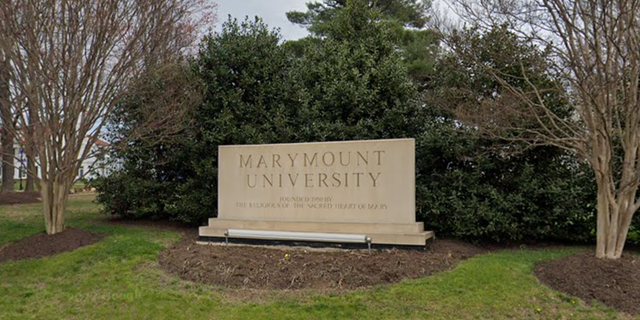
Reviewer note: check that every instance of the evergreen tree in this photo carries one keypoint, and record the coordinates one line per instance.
(406, 20)
(355, 82)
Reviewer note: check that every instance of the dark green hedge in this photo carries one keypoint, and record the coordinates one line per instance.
(351, 85)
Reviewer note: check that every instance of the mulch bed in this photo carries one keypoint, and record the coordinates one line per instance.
(11, 198)
(43, 245)
(615, 283)
(259, 267)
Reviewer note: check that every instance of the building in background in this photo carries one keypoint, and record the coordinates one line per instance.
(97, 164)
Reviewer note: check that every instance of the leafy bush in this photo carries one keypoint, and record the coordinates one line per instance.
(350, 85)
(257, 92)
(479, 187)
(542, 194)
(249, 92)
(127, 196)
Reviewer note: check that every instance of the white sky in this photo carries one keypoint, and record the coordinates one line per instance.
(271, 11)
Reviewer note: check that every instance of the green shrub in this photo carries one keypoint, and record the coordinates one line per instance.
(127, 196)
(258, 92)
(475, 186)
(248, 98)
(350, 85)
(466, 193)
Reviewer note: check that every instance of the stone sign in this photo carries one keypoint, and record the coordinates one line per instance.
(353, 187)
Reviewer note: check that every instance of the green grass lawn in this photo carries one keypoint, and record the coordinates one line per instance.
(17, 183)
(119, 278)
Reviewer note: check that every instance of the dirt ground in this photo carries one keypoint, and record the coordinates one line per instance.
(614, 283)
(262, 267)
(11, 198)
(42, 245)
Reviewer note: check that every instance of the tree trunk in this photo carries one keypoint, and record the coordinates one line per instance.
(603, 214)
(8, 169)
(8, 151)
(54, 198)
(626, 214)
(615, 212)
(31, 175)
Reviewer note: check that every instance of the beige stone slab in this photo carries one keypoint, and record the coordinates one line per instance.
(419, 239)
(369, 181)
(413, 239)
(335, 227)
(348, 187)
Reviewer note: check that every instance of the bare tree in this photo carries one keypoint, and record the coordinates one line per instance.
(7, 152)
(594, 48)
(71, 63)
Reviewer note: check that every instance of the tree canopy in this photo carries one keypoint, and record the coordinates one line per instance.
(406, 20)
(317, 18)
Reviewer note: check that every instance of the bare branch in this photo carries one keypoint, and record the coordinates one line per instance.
(593, 47)
(71, 64)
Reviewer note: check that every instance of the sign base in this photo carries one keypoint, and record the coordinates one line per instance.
(410, 234)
